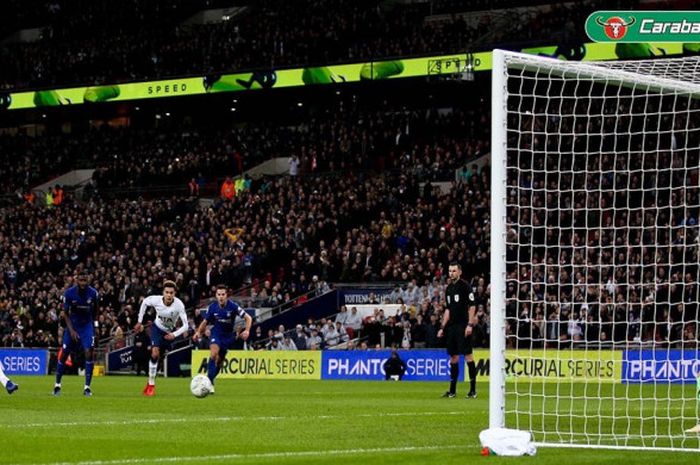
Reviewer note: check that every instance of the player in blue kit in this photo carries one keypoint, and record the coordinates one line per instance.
(80, 315)
(222, 314)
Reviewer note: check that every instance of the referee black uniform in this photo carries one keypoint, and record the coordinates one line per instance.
(460, 298)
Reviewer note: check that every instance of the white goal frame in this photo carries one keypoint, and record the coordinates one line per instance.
(502, 62)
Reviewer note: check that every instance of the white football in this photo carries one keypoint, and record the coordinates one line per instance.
(200, 386)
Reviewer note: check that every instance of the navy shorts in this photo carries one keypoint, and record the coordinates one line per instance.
(86, 338)
(224, 341)
(158, 338)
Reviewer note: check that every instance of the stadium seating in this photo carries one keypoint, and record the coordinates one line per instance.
(430, 147)
(106, 42)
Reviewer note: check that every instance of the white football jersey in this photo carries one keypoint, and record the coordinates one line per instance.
(166, 315)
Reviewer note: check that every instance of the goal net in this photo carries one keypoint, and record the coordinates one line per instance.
(595, 249)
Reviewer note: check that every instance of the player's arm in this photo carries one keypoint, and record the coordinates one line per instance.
(185, 325)
(210, 316)
(95, 310)
(471, 312)
(472, 319)
(445, 320)
(200, 330)
(248, 323)
(69, 325)
(142, 312)
(65, 314)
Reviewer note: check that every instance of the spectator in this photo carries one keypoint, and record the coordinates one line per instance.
(342, 333)
(331, 336)
(288, 343)
(431, 339)
(300, 338)
(140, 351)
(294, 166)
(275, 343)
(353, 321)
(342, 316)
(315, 341)
(193, 188)
(394, 367)
(419, 333)
(228, 189)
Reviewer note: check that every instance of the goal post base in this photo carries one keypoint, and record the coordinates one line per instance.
(694, 430)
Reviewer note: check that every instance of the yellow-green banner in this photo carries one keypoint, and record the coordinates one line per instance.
(283, 364)
(556, 365)
(355, 72)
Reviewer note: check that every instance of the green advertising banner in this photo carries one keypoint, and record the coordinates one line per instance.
(644, 26)
(444, 65)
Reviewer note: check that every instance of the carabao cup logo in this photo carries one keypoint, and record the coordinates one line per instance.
(615, 27)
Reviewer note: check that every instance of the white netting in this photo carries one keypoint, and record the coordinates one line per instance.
(680, 69)
(602, 247)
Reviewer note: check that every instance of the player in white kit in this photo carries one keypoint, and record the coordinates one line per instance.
(164, 328)
(9, 385)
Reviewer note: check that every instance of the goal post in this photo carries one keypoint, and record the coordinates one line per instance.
(595, 251)
(497, 341)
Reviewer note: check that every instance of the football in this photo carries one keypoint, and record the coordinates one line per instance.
(200, 386)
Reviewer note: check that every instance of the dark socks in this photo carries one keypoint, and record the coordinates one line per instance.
(89, 367)
(454, 374)
(471, 366)
(60, 366)
(212, 370)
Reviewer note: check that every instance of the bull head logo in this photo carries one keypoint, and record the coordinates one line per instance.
(615, 28)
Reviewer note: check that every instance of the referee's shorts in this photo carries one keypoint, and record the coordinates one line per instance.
(457, 343)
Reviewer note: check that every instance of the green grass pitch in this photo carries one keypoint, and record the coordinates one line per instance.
(267, 422)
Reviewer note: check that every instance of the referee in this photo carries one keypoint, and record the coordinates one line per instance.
(457, 325)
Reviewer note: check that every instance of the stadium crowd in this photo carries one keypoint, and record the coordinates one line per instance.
(595, 262)
(379, 227)
(29, 161)
(101, 42)
(423, 143)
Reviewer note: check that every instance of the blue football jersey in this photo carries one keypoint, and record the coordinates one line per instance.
(80, 306)
(223, 318)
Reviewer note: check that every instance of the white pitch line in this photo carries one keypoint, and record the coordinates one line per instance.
(156, 421)
(263, 455)
(639, 448)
